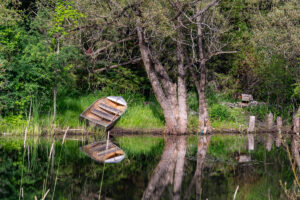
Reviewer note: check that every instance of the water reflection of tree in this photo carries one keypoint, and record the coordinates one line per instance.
(170, 169)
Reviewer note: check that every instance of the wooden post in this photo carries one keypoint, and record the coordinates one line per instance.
(250, 142)
(270, 121)
(251, 136)
(279, 126)
(251, 124)
(269, 142)
(296, 121)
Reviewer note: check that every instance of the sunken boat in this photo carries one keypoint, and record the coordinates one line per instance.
(104, 152)
(104, 112)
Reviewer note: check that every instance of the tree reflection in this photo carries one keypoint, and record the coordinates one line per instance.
(170, 169)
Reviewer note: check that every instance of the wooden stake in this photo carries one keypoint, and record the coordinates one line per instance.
(279, 123)
(251, 124)
(279, 126)
(236, 190)
(251, 136)
(270, 121)
(250, 142)
(269, 142)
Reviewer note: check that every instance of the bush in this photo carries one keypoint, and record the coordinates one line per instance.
(219, 112)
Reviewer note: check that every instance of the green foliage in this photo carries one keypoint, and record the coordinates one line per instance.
(65, 13)
(219, 112)
(142, 116)
(122, 80)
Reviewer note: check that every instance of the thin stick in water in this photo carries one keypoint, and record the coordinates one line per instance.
(45, 194)
(236, 190)
(65, 135)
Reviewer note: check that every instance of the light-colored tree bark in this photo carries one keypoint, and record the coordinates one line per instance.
(202, 147)
(170, 169)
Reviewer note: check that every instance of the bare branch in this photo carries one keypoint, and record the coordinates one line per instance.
(98, 51)
(136, 60)
(200, 12)
(219, 53)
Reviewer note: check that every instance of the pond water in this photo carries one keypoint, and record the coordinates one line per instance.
(70, 174)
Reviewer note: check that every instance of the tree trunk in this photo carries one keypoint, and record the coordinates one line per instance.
(55, 87)
(203, 110)
(182, 94)
(169, 169)
(179, 169)
(171, 96)
(203, 143)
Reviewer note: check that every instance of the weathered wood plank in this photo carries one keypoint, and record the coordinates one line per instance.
(103, 115)
(110, 109)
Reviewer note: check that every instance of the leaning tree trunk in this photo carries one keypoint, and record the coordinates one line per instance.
(171, 96)
(170, 169)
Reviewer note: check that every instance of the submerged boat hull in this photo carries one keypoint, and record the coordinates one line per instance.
(104, 112)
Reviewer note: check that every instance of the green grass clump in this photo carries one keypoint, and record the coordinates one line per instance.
(141, 116)
(137, 146)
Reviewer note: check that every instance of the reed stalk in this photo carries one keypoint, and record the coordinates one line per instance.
(101, 183)
(24, 151)
(59, 159)
(48, 166)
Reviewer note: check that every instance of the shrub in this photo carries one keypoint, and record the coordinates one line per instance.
(219, 112)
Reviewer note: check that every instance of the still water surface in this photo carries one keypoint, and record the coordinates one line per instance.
(79, 177)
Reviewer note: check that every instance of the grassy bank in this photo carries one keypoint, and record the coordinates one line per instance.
(143, 113)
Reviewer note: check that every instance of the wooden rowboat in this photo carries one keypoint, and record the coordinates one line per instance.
(104, 112)
(104, 152)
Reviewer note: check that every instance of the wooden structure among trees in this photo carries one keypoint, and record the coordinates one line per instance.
(246, 98)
